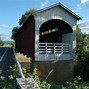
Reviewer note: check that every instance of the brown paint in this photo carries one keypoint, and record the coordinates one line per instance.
(25, 38)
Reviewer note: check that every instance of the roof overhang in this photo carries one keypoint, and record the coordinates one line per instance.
(62, 6)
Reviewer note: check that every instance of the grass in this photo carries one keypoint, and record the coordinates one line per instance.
(22, 58)
(24, 61)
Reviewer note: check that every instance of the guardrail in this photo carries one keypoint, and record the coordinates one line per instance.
(53, 48)
(23, 83)
(18, 65)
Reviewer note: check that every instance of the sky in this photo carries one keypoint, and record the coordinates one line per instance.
(12, 10)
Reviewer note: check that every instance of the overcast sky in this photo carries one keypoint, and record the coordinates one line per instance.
(11, 11)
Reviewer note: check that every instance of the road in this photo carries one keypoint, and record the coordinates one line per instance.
(7, 62)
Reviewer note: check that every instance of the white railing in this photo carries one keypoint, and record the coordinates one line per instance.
(53, 48)
(18, 65)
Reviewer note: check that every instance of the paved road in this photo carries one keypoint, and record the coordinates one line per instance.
(7, 62)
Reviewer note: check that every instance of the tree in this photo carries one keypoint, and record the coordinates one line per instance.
(22, 20)
(15, 30)
(81, 39)
(82, 60)
(25, 16)
(1, 43)
(81, 44)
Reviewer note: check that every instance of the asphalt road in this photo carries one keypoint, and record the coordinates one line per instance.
(7, 62)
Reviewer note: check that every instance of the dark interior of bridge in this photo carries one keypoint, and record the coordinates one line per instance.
(51, 31)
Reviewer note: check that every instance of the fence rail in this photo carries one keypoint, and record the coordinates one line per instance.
(24, 83)
(18, 65)
(53, 48)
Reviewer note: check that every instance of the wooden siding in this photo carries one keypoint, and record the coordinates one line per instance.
(61, 14)
(54, 13)
(24, 41)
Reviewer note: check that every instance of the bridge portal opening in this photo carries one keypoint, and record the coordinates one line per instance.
(51, 31)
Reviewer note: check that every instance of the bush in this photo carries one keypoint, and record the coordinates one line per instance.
(76, 84)
(1, 43)
(42, 84)
(8, 82)
(82, 66)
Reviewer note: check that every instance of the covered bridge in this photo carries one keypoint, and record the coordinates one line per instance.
(48, 36)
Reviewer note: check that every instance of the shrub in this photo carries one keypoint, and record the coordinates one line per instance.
(1, 43)
(76, 84)
(8, 82)
(42, 84)
(82, 66)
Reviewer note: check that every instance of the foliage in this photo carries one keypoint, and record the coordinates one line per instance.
(56, 86)
(22, 20)
(9, 82)
(25, 16)
(26, 74)
(88, 39)
(87, 42)
(82, 56)
(15, 30)
(82, 66)
(1, 43)
(81, 44)
(81, 39)
(41, 84)
(13, 44)
(76, 84)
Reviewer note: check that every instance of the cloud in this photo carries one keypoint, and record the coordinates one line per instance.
(84, 26)
(5, 37)
(84, 2)
(3, 26)
(44, 3)
(77, 8)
